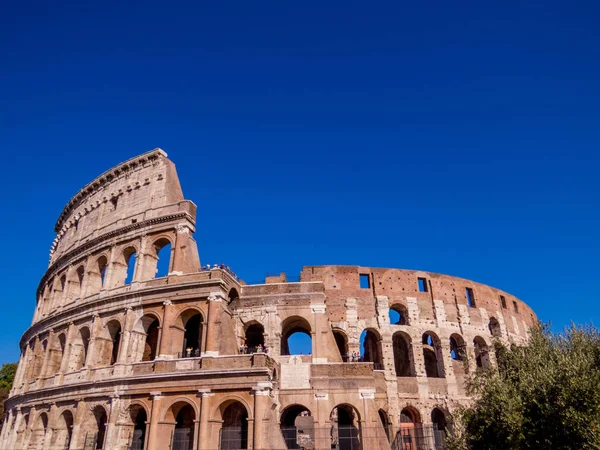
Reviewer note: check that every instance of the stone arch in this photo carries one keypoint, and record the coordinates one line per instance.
(191, 322)
(345, 427)
(94, 426)
(163, 248)
(295, 420)
(371, 348)
(399, 314)
(63, 429)
(96, 276)
(439, 425)
(494, 327)
(181, 416)
(410, 427)
(109, 343)
(457, 347)
(254, 333)
(38, 432)
(138, 420)
(40, 348)
(233, 295)
(404, 361)
(385, 423)
(234, 416)
(79, 349)
(291, 326)
(144, 338)
(482, 357)
(57, 351)
(124, 267)
(341, 341)
(433, 355)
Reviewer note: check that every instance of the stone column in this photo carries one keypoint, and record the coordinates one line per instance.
(154, 418)
(368, 437)
(214, 300)
(64, 364)
(111, 438)
(203, 438)
(47, 351)
(7, 428)
(164, 350)
(109, 277)
(322, 438)
(261, 404)
(125, 336)
(146, 262)
(179, 250)
(319, 324)
(76, 438)
(89, 362)
(12, 437)
(51, 424)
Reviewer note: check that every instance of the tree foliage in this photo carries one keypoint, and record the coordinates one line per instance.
(542, 396)
(7, 376)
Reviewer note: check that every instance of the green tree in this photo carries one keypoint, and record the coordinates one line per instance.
(542, 396)
(7, 376)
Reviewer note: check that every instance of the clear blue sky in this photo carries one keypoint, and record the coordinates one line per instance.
(454, 137)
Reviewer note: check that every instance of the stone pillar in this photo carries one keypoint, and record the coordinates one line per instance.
(145, 262)
(90, 362)
(368, 437)
(51, 424)
(112, 435)
(164, 350)
(322, 438)
(112, 265)
(261, 404)
(203, 438)
(47, 352)
(319, 324)
(214, 300)
(154, 418)
(7, 428)
(126, 336)
(180, 251)
(76, 438)
(12, 437)
(64, 364)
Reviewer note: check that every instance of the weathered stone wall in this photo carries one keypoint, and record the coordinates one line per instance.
(119, 361)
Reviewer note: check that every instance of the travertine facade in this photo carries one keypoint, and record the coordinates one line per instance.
(158, 361)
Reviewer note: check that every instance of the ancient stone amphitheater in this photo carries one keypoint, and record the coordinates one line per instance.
(123, 356)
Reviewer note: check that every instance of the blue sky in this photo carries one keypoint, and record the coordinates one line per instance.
(454, 137)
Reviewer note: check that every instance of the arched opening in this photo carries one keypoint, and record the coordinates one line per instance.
(102, 265)
(370, 348)
(112, 351)
(345, 428)
(297, 427)
(438, 420)
(457, 347)
(192, 336)
(410, 433)
(296, 336)
(95, 429)
(60, 297)
(183, 434)
(129, 258)
(138, 436)
(342, 344)
(61, 438)
(151, 341)
(234, 431)
(233, 295)
(40, 351)
(47, 299)
(79, 349)
(255, 338)
(432, 354)
(385, 423)
(38, 432)
(80, 274)
(398, 315)
(494, 327)
(162, 248)
(482, 357)
(403, 358)
(56, 354)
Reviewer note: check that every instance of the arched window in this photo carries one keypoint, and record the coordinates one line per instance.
(38, 432)
(151, 341)
(345, 428)
(183, 416)
(255, 337)
(398, 315)
(192, 336)
(130, 257)
(438, 419)
(79, 349)
(296, 425)
(494, 327)
(482, 357)
(101, 420)
(233, 295)
(385, 423)
(370, 348)
(234, 431)
(102, 264)
(403, 357)
(57, 349)
(114, 331)
(162, 247)
(457, 347)
(138, 418)
(296, 336)
(61, 437)
(80, 274)
(432, 354)
(342, 344)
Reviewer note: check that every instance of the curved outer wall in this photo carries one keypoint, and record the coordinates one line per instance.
(102, 349)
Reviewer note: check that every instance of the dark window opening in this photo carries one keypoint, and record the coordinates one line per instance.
(114, 201)
(422, 284)
(515, 306)
(470, 297)
(503, 301)
(365, 281)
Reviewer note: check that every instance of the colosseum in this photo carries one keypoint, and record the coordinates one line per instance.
(124, 356)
